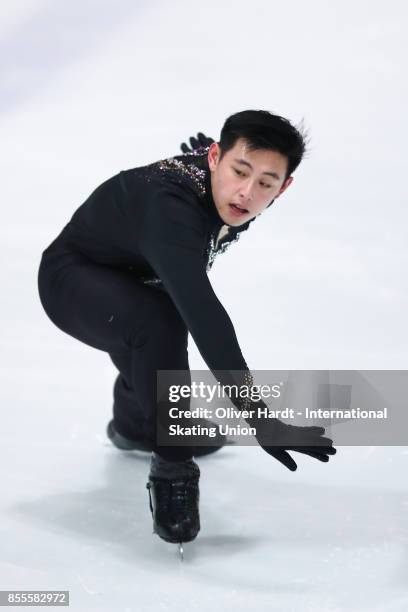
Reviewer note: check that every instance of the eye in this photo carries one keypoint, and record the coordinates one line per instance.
(239, 173)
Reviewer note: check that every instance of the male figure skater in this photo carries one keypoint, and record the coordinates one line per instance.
(128, 276)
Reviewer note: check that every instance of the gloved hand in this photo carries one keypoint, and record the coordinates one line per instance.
(276, 438)
(201, 142)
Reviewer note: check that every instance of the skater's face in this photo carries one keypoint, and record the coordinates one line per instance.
(249, 179)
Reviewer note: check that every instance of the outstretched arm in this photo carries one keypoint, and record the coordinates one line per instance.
(173, 240)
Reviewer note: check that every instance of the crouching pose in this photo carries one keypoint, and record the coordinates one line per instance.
(128, 275)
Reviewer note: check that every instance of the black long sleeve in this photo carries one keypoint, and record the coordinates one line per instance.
(172, 239)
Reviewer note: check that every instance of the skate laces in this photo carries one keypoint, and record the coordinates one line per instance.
(179, 496)
(175, 486)
(183, 495)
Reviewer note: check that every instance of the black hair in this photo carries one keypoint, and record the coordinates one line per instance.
(263, 130)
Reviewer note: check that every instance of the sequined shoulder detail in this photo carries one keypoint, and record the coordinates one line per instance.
(182, 169)
(188, 170)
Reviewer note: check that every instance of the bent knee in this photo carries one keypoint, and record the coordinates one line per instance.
(162, 323)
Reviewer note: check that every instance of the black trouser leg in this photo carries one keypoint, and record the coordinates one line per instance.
(128, 414)
(138, 326)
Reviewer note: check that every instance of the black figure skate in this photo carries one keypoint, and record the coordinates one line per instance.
(126, 443)
(145, 445)
(174, 499)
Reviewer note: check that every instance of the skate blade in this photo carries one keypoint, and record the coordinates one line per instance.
(181, 551)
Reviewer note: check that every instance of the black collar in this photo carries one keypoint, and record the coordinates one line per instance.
(215, 219)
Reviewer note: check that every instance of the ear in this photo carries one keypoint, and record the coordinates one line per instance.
(213, 155)
(285, 185)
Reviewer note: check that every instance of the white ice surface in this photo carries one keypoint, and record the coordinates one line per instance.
(91, 87)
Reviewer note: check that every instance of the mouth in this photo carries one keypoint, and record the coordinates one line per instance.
(238, 210)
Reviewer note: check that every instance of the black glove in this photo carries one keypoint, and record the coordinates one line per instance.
(276, 438)
(201, 142)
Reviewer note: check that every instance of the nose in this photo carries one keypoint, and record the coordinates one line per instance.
(245, 193)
